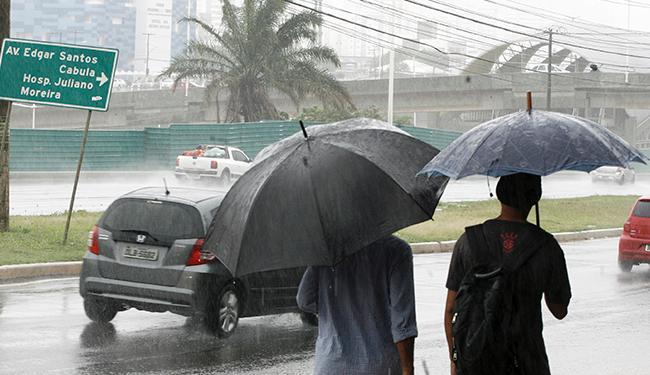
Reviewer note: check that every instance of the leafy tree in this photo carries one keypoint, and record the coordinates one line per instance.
(261, 48)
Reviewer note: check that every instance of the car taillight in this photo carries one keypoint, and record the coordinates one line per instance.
(198, 256)
(626, 227)
(213, 164)
(178, 162)
(93, 240)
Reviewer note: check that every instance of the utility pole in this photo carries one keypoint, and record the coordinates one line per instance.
(549, 69)
(5, 112)
(147, 60)
(627, 47)
(187, 43)
(391, 73)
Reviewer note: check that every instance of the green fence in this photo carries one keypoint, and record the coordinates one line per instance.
(155, 148)
(58, 150)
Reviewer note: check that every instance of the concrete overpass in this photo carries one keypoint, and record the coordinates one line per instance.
(454, 103)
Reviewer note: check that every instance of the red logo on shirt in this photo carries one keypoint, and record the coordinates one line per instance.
(508, 241)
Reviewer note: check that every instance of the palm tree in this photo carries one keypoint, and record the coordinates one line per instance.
(260, 48)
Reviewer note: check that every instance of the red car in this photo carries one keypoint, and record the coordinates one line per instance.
(634, 244)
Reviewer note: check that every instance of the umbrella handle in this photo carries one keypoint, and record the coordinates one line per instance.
(537, 213)
(304, 132)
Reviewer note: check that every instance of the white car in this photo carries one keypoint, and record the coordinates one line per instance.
(223, 163)
(616, 174)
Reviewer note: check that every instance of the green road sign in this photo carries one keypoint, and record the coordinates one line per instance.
(57, 74)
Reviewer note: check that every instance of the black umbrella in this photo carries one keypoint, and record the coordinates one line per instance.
(311, 200)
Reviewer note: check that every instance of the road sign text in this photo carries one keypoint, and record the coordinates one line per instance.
(56, 74)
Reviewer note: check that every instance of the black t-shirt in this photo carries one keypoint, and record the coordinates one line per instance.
(545, 273)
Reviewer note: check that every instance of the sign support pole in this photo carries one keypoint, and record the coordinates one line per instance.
(76, 178)
(4, 173)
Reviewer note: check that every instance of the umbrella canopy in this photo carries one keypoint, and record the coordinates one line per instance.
(312, 201)
(538, 143)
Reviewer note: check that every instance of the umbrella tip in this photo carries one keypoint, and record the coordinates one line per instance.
(304, 131)
(529, 100)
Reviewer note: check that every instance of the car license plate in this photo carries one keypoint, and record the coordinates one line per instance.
(140, 253)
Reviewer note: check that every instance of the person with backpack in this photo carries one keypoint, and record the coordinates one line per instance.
(498, 273)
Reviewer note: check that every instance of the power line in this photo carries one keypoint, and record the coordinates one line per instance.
(421, 54)
(628, 3)
(441, 51)
(394, 11)
(573, 20)
(519, 32)
(483, 15)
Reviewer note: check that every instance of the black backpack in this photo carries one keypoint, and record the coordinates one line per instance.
(484, 324)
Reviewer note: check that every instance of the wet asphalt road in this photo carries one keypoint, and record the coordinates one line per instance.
(43, 329)
(51, 194)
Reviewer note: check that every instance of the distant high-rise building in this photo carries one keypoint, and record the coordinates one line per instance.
(101, 23)
(183, 32)
(153, 32)
(208, 11)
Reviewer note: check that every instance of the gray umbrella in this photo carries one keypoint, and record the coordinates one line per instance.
(536, 142)
(314, 200)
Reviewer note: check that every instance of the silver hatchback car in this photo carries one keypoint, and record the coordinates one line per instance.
(146, 253)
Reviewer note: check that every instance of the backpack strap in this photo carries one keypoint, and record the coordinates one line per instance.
(478, 246)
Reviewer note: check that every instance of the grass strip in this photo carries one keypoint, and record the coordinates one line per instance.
(37, 239)
(556, 215)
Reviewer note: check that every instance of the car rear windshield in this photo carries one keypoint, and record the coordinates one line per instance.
(216, 152)
(642, 209)
(165, 221)
(607, 169)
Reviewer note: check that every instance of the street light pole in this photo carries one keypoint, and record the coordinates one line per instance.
(549, 69)
(187, 43)
(391, 85)
(147, 60)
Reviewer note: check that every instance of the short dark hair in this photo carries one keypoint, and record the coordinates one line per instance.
(520, 190)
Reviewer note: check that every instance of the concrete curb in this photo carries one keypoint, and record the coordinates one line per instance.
(25, 271)
(448, 246)
(69, 175)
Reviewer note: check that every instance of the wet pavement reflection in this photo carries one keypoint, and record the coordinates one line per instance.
(43, 329)
(96, 192)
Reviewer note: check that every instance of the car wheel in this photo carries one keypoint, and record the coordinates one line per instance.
(100, 310)
(309, 319)
(625, 266)
(223, 313)
(225, 178)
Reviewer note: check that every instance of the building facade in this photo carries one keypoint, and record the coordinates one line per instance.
(100, 23)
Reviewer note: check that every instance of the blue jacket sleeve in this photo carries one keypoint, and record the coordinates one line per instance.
(307, 297)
